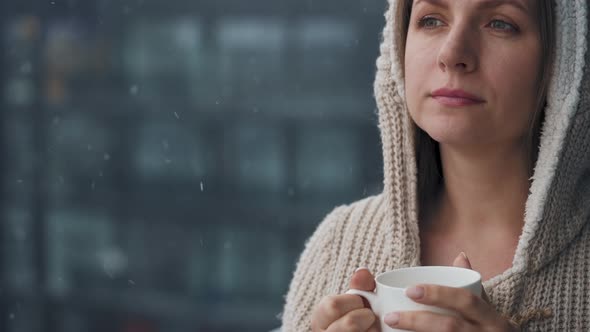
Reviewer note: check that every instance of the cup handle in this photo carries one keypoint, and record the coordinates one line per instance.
(370, 296)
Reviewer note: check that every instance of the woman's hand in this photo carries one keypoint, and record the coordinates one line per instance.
(475, 313)
(345, 312)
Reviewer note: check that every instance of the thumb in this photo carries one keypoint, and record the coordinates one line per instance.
(362, 279)
(463, 261)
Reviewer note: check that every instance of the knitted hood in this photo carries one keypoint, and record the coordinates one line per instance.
(558, 203)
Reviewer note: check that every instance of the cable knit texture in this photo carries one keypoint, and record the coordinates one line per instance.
(548, 286)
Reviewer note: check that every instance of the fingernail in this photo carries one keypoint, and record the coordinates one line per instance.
(464, 255)
(391, 319)
(415, 292)
(361, 268)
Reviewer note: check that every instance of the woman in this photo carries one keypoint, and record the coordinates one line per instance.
(486, 145)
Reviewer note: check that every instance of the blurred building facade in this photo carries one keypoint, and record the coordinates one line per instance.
(164, 162)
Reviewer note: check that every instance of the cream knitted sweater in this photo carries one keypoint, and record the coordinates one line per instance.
(551, 267)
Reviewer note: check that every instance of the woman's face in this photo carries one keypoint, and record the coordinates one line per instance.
(489, 49)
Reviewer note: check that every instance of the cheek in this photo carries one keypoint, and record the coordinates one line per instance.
(516, 82)
(417, 69)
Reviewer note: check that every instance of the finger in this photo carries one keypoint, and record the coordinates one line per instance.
(332, 308)
(462, 261)
(425, 321)
(469, 305)
(359, 320)
(376, 327)
(363, 279)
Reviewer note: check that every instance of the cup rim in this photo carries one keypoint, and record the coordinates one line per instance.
(476, 275)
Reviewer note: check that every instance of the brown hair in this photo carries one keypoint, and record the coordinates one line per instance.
(427, 151)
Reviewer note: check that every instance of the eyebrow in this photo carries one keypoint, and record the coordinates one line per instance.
(483, 4)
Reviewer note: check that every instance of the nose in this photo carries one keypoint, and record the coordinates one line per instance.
(458, 51)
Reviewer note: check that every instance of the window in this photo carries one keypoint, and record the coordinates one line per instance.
(164, 162)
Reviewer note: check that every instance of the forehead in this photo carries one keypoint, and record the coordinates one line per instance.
(522, 5)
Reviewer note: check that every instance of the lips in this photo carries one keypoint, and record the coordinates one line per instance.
(455, 97)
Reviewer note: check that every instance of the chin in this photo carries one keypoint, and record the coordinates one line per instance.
(450, 130)
(450, 139)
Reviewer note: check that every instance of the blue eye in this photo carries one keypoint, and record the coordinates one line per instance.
(429, 22)
(502, 26)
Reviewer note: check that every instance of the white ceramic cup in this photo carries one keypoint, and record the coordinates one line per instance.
(390, 294)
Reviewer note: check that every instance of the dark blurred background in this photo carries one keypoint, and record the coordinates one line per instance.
(163, 162)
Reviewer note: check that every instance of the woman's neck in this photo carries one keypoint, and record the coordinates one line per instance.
(482, 188)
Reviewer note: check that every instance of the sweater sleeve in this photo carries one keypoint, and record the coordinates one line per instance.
(310, 282)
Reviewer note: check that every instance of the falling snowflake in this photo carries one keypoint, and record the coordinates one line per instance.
(134, 90)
